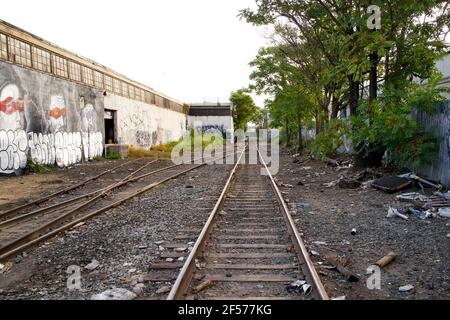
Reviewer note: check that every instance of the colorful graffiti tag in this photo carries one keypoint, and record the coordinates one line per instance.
(46, 120)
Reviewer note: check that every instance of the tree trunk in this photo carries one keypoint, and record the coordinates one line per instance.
(353, 96)
(288, 133)
(373, 88)
(300, 137)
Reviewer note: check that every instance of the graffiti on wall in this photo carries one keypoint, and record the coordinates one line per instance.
(13, 147)
(41, 119)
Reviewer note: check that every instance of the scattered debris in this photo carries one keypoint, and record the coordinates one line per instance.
(78, 225)
(448, 235)
(5, 267)
(392, 184)
(387, 259)
(93, 265)
(412, 176)
(320, 243)
(315, 253)
(342, 298)
(339, 263)
(300, 287)
(303, 204)
(115, 294)
(139, 289)
(354, 232)
(169, 260)
(346, 183)
(300, 183)
(202, 286)
(367, 184)
(163, 290)
(159, 242)
(331, 184)
(408, 197)
(444, 212)
(392, 213)
(406, 288)
(181, 249)
(306, 168)
(284, 185)
(189, 187)
(142, 247)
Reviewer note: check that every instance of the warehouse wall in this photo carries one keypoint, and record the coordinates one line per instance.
(48, 119)
(145, 125)
(221, 123)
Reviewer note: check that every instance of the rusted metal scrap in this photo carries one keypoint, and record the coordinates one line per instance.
(383, 262)
(340, 263)
(202, 286)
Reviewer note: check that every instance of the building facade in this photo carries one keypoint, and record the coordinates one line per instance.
(207, 116)
(58, 108)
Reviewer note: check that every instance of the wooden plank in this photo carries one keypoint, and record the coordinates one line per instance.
(186, 237)
(267, 231)
(248, 255)
(222, 237)
(250, 246)
(234, 298)
(169, 266)
(251, 266)
(159, 278)
(174, 245)
(250, 278)
(173, 255)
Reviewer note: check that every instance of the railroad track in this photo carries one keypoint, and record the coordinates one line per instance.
(22, 231)
(249, 249)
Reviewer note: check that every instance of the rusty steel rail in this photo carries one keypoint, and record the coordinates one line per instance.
(302, 252)
(28, 240)
(53, 195)
(185, 276)
(102, 192)
(180, 289)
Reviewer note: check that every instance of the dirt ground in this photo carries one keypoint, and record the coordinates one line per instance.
(17, 189)
(326, 217)
(124, 241)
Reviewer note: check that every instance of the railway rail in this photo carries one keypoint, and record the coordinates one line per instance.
(21, 231)
(250, 248)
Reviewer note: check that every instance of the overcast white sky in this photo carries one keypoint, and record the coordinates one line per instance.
(190, 50)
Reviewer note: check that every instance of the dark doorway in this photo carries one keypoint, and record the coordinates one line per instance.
(110, 128)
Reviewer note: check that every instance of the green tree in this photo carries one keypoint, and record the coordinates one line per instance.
(335, 61)
(245, 109)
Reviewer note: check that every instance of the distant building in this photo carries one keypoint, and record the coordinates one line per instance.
(207, 116)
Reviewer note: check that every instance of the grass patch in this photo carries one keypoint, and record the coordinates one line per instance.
(34, 167)
(167, 147)
(98, 158)
(113, 156)
(138, 152)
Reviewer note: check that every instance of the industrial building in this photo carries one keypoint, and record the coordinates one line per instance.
(58, 108)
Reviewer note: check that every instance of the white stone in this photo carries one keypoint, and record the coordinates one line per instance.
(406, 288)
(93, 265)
(115, 294)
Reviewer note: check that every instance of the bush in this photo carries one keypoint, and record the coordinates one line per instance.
(138, 152)
(387, 126)
(34, 167)
(113, 156)
(327, 142)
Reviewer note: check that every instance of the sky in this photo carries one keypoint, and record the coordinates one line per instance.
(191, 50)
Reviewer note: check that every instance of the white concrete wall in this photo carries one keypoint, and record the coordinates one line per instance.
(144, 125)
(219, 122)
